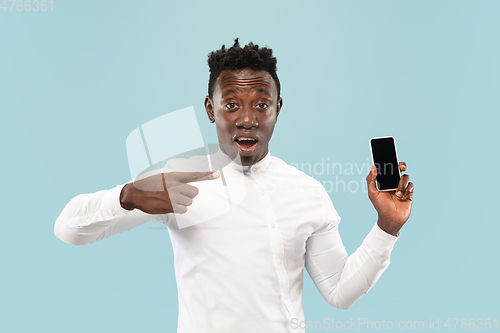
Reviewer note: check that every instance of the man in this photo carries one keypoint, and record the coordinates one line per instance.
(242, 271)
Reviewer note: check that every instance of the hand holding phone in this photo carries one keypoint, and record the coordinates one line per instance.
(390, 193)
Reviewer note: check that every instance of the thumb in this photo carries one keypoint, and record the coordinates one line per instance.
(370, 181)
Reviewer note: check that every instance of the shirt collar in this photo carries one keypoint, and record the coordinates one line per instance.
(257, 167)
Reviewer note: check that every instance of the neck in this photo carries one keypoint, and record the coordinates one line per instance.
(233, 154)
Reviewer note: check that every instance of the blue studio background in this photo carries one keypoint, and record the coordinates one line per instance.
(76, 79)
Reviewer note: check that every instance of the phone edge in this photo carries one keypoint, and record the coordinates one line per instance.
(397, 158)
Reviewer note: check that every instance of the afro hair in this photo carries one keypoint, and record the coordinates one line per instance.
(248, 57)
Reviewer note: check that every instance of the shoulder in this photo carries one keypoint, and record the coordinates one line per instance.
(291, 172)
(309, 188)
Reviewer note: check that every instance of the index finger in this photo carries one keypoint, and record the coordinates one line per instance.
(402, 166)
(189, 177)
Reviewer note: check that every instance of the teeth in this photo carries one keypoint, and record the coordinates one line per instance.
(241, 139)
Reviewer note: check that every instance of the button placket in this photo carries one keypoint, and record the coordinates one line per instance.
(271, 219)
(277, 241)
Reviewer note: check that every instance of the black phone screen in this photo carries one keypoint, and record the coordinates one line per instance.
(386, 161)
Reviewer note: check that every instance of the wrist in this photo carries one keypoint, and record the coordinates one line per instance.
(126, 196)
(388, 226)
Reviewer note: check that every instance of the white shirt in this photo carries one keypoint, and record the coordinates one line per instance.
(241, 271)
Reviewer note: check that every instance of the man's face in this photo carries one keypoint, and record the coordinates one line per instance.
(245, 108)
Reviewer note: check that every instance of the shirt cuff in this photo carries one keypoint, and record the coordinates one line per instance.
(380, 241)
(110, 206)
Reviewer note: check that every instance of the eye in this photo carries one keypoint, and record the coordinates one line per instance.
(231, 105)
(263, 105)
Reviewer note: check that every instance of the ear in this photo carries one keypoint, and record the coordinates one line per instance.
(278, 108)
(209, 108)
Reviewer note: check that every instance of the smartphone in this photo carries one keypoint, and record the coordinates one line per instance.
(385, 158)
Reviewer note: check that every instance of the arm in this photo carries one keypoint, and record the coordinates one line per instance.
(88, 218)
(343, 279)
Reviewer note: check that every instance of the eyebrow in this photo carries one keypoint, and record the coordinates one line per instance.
(234, 90)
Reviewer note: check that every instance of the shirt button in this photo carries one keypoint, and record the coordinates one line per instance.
(274, 225)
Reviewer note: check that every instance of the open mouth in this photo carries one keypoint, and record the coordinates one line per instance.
(246, 143)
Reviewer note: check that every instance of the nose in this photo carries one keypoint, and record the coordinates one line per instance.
(247, 119)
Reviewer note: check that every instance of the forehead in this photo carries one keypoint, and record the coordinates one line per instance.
(245, 79)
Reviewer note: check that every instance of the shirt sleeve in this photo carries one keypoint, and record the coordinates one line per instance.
(343, 279)
(88, 218)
